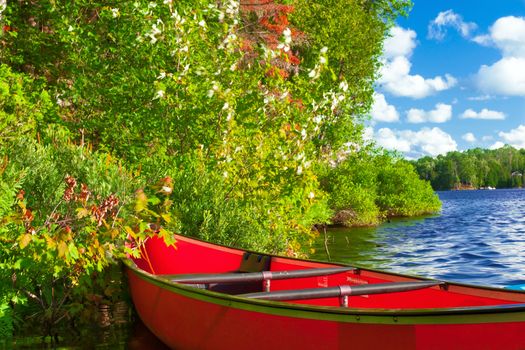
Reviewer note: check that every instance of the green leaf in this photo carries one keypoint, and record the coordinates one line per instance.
(73, 252)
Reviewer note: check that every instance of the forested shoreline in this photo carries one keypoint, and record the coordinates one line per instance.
(238, 123)
(474, 168)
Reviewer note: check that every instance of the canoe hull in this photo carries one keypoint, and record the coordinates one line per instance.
(189, 318)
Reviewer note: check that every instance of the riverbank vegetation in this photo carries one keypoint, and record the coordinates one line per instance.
(475, 168)
(238, 123)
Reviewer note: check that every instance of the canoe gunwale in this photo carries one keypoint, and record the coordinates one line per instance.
(263, 305)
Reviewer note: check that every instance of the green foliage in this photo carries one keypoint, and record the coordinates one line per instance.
(401, 192)
(352, 31)
(57, 240)
(184, 92)
(502, 168)
(25, 105)
(367, 187)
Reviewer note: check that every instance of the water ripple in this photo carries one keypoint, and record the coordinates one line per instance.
(479, 238)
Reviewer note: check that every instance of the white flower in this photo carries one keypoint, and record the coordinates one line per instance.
(202, 23)
(322, 60)
(226, 106)
(287, 33)
(343, 86)
(299, 170)
(155, 30)
(160, 94)
(303, 133)
(324, 50)
(283, 47)
(225, 174)
(311, 195)
(166, 2)
(115, 12)
(312, 73)
(167, 189)
(162, 75)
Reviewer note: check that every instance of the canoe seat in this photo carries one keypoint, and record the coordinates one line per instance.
(250, 262)
(253, 262)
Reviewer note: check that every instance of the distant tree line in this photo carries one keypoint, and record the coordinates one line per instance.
(475, 168)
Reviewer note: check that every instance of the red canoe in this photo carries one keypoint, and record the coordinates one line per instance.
(203, 296)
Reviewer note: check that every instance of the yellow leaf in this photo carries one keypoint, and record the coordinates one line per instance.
(82, 213)
(50, 242)
(62, 249)
(130, 232)
(141, 202)
(25, 240)
(166, 217)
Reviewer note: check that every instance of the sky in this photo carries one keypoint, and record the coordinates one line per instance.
(453, 78)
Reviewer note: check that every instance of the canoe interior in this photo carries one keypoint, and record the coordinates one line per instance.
(193, 256)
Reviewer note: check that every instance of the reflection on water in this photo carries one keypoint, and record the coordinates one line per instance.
(479, 238)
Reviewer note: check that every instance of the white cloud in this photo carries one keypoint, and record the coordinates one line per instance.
(440, 114)
(497, 145)
(483, 114)
(391, 140)
(479, 98)
(395, 73)
(401, 42)
(506, 76)
(508, 34)
(469, 137)
(487, 138)
(515, 137)
(437, 29)
(382, 111)
(416, 143)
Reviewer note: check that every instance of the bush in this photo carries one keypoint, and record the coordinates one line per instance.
(402, 192)
(367, 187)
(61, 209)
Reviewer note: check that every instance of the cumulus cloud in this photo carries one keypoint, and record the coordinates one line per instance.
(382, 111)
(497, 145)
(415, 144)
(483, 114)
(440, 114)
(437, 29)
(506, 76)
(395, 73)
(401, 42)
(469, 137)
(515, 137)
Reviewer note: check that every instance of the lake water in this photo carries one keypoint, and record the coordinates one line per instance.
(479, 238)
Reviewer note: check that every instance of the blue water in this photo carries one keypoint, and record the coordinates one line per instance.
(479, 238)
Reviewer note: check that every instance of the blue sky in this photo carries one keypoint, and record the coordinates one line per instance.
(453, 78)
